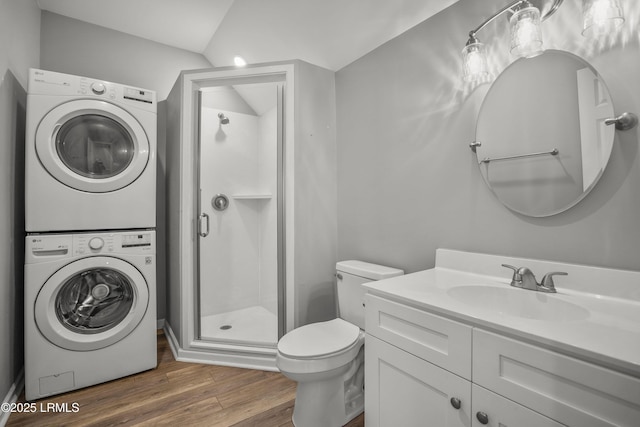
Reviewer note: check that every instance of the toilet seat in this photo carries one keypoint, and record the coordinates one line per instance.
(319, 348)
(319, 340)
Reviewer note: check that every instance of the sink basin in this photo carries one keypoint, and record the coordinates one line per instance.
(518, 303)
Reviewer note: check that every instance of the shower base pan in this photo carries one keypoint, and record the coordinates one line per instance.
(252, 325)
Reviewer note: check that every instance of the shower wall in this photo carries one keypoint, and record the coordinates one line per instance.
(238, 260)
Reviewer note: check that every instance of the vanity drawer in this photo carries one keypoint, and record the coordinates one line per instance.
(569, 390)
(443, 342)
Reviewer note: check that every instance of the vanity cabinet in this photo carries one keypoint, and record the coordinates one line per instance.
(422, 369)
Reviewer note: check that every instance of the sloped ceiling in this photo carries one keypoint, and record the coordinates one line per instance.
(186, 24)
(329, 33)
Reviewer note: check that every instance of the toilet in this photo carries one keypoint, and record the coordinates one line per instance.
(327, 358)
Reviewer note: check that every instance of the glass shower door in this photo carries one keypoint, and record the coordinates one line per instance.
(239, 243)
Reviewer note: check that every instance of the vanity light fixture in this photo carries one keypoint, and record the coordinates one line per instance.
(526, 37)
(600, 17)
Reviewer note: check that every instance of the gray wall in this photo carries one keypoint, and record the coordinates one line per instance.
(76, 47)
(408, 182)
(19, 50)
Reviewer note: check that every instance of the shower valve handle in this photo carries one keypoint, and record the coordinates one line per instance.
(220, 202)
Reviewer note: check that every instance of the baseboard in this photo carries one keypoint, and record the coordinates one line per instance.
(209, 356)
(160, 323)
(12, 396)
(171, 338)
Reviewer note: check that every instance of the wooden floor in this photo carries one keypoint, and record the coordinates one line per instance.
(176, 394)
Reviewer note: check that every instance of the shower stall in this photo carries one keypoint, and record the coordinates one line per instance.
(227, 216)
(240, 234)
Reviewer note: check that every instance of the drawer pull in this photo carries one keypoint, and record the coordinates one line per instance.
(455, 402)
(482, 417)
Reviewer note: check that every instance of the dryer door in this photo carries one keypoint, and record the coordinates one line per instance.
(91, 303)
(92, 146)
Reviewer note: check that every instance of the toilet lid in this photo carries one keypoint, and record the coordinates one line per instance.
(319, 339)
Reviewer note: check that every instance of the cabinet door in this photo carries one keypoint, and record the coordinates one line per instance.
(404, 390)
(492, 410)
(571, 391)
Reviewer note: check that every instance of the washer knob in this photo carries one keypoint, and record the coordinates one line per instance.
(96, 243)
(98, 88)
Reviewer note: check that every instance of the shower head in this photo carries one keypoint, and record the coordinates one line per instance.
(223, 119)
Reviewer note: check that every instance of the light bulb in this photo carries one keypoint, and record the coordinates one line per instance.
(601, 17)
(474, 62)
(526, 35)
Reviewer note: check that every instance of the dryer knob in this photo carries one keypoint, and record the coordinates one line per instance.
(96, 243)
(98, 88)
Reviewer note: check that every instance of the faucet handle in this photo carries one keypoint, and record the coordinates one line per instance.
(547, 280)
(517, 278)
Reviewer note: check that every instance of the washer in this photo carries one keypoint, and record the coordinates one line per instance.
(90, 309)
(90, 156)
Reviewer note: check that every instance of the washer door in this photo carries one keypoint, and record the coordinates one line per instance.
(91, 303)
(92, 146)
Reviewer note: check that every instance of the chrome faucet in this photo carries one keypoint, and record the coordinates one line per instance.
(525, 279)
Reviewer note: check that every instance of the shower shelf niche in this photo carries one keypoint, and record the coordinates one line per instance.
(252, 196)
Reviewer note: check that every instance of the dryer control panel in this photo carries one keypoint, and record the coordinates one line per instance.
(43, 82)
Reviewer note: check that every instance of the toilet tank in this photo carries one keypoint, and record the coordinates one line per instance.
(350, 275)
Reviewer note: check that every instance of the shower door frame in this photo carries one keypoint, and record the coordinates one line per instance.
(207, 351)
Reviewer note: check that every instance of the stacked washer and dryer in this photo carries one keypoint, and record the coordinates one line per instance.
(90, 217)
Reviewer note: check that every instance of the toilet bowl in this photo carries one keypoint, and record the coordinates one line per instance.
(322, 398)
(326, 359)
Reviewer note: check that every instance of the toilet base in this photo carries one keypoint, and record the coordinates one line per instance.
(332, 402)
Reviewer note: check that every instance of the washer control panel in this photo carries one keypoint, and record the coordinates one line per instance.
(44, 247)
(137, 240)
(48, 245)
(92, 244)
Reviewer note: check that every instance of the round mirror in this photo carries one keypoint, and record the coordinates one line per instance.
(541, 141)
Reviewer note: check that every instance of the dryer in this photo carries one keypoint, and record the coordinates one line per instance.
(90, 155)
(90, 309)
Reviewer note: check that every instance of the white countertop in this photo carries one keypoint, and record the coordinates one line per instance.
(606, 331)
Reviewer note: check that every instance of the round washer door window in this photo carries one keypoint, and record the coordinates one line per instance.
(92, 146)
(91, 303)
(94, 300)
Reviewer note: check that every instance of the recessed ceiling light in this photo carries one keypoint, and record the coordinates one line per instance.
(239, 61)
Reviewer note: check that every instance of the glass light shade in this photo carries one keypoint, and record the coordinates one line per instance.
(526, 34)
(474, 62)
(601, 17)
